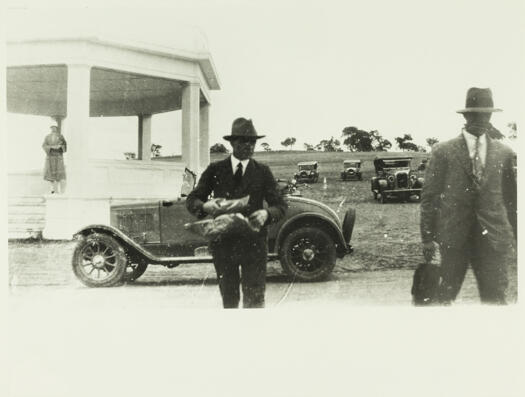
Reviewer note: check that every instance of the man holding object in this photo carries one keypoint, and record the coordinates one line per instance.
(235, 177)
(468, 205)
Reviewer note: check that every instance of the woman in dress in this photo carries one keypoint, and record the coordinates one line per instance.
(54, 171)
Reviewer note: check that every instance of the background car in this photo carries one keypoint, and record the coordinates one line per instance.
(308, 172)
(351, 170)
(307, 240)
(395, 179)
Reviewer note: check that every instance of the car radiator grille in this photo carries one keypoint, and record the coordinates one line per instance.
(402, 180)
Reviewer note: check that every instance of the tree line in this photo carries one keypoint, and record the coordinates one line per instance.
(357, 140)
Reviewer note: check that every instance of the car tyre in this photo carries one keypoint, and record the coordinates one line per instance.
(308, 254)
(134, 271)
(99, 261)
(348, 224)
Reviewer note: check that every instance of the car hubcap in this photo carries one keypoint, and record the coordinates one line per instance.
(98, 261)
(306, 255)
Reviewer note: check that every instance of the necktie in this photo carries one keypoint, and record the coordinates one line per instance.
(237, 177)
(477, 165)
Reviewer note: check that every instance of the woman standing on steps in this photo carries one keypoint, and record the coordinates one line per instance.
(54, 171)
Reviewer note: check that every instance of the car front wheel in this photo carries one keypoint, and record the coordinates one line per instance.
(308, 254)
(99, 261)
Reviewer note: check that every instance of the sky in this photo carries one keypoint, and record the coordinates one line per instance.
(307, 69)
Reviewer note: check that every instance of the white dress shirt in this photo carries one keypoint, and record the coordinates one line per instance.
(236, 161)
(471, 145)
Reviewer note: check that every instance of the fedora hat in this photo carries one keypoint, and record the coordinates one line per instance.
(479, 100)
(243, 128)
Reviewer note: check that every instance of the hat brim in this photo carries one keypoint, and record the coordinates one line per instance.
(478, 110)
(230, 137)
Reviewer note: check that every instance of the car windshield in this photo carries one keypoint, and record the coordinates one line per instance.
(351, 164)
(396, 163)
(307, 166)
(381, 164)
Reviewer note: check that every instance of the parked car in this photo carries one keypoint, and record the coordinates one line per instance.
(307, 240)
(423, 165)
(351, 170)
(308, 172)
(395, 179)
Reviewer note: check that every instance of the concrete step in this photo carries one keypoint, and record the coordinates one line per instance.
(24, 234)
(25, 200)
(26, 217)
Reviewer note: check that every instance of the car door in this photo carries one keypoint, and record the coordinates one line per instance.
(174, 237)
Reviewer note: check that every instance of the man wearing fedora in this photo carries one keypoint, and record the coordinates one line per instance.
(468, 205)
(235, 177)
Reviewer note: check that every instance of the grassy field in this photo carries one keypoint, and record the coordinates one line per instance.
(385, 236)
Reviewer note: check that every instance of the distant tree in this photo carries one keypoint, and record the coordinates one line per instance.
(308, 147)
(421, 149)
(289, 142)
(513, 130)
(330, 145)
(405, 142)
(432, 141)
(130, 155)
(155, 150)
(266, 147)
(357, 140)
(218, 148)
(379, 144)
(364, 141)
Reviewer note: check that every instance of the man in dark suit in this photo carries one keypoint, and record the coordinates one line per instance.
(468, 205)
(235, 177)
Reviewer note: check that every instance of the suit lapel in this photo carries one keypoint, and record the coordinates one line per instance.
(227, 174)
(462, 155)
(248, 176)
(490, 160)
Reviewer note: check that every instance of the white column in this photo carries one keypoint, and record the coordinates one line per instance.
(76, 127)
(144, 149)
(204, 136)
(190, 126)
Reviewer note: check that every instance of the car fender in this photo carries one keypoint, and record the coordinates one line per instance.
(312, 218)
(121, 237)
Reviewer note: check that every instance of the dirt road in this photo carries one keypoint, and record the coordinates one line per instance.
(195, 286)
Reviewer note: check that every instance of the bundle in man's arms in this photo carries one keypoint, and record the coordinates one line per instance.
(228, 219)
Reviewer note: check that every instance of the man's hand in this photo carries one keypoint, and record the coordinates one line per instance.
(211, 207)
(258, 218)
(429, 249)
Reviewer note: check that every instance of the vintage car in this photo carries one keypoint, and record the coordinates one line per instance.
(307, 240)
(308, 172)
(395, 179)
(423, 165)
(351, 170)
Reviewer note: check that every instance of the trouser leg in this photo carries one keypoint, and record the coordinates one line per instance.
(228, 277)
(454, 262)
(490, 269)
(254, 275)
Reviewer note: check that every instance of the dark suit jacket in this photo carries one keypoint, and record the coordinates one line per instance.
(452, 201)
(257, 181)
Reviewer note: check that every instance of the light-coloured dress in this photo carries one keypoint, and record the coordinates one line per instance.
(54, 145)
